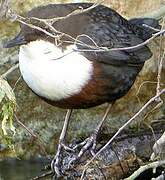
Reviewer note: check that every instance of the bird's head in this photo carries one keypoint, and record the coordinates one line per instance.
(28, 34)
(31, 28)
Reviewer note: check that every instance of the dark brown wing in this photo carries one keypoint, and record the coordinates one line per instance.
(102, 26)
(113, 36)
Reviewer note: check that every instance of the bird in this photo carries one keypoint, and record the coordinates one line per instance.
(78, 56)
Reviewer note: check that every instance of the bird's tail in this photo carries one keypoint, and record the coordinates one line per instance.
(145, 26)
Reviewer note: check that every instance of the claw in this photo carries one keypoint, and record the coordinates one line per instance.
(67, 148)
(92, 150)
(80, 144)
(72, 162)
(56, 163)
(56, 167)
(88, 144)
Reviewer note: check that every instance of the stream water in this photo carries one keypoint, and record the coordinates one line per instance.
(21, 169)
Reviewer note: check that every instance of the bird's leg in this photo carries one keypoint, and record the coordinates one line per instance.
(57, 160)
(90, 143)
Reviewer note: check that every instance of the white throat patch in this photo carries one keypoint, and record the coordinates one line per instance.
(51, 73)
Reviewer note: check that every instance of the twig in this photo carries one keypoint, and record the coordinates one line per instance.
(144, 168)
(23, 20)
(123, 127)
(73, 13)
(158, 148)
(59, 34)
(31, 133)
(160, 66)
(27, 129)
(146, 83)
(152, 28)
(50, 173)
(13, 68)
(126, 48)
(4, 7)
(94, 48)
(16, 82)
(36, 27)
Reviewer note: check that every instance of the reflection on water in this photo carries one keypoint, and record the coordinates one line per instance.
(21, 169)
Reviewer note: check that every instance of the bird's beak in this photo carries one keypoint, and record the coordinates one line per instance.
(17, 41)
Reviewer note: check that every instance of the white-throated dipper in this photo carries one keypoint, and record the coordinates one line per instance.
(78, 67)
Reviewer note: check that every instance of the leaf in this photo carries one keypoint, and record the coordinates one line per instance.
(5, 117)
(6, 90)
(8, 106)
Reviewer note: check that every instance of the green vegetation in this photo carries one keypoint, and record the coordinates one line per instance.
(7, 108)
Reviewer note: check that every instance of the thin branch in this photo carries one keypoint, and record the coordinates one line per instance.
(158, 148)
(27, 129)
(144, 168)
(78, 11)
(50, 173)
(13, 68)
(22, 20)
(4, 7)
(59, 34)
(122, 128)
(15, 84)
(31, 133)
(126, 48)
(152, 28)
(94, 48)
(160, 65)
(37, 27)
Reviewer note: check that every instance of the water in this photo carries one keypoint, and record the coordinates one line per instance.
(21, 169)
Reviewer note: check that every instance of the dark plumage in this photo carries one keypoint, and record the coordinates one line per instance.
(105, 27)
(114, 71)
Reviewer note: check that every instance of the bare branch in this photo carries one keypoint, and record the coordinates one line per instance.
(13, 68)
(80, 10)
(126, 48)
(32, 134)
(162, 56)
(94, 48)
(144, 168)
(27, 129)
(122, 128)
(159, 148)
(50, 173)
(4, 7)
(57, 34)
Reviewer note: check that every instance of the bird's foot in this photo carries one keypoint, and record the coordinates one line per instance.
(57, 162)
(88, 144)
